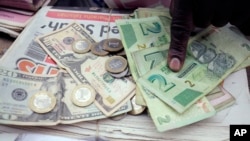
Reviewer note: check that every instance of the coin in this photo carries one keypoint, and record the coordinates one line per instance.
(81, 46)
(42, 102)
(116, 64)
(120, 75)
(112, 45)
(136, 109)
(97, 49)
(83, 95)
(129, 73)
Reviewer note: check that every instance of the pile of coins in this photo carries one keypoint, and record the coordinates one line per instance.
(116, 65)
(110, 46)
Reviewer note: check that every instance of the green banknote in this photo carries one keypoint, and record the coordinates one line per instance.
(166, 118)
(162, 13)
(212, 56)
(138, 34)
(148, 58)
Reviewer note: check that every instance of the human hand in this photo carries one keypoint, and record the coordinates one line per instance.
(188, 14)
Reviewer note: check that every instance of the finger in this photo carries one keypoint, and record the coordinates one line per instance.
(240, 12)
(203, 12)
(181, 27)
(222, 12)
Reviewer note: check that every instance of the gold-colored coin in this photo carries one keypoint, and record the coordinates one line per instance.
(116, 64)
(112, 45)
(97, 49)
(81, 46)
(83, 95)
(42, 102)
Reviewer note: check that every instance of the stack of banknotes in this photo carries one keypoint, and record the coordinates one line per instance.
(193, 94)
(111, 75)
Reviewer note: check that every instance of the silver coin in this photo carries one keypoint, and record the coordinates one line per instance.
(116, 64)
(81, 46)
(112, 45)
(97, 49)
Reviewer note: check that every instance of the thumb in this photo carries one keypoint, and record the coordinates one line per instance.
(181, 27)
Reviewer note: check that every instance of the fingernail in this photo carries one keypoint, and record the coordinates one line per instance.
(175, 64)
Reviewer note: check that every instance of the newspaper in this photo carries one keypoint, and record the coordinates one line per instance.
(30, 57)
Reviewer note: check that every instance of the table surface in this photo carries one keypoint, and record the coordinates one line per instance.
(141, 127)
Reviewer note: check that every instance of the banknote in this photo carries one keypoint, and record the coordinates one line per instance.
(87, 68)
(162, 13)
(17, 88)
(147, 59)
(137, 34)
(244, 64)
(166, 118)
(212, 55)
(143, 33)
(71, 113)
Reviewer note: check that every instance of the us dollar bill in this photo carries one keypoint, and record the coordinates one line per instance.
(87, 68)
(19, 87)
(71, 113)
